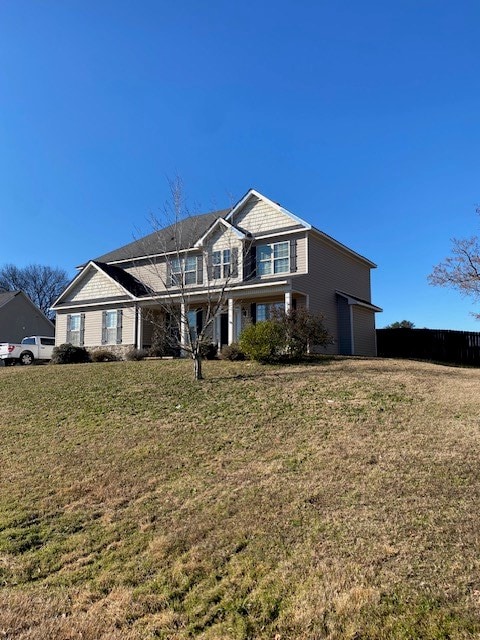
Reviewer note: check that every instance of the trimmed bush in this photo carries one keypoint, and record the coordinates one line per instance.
(286, 337)
(103, 355)
(69, 354)
(232, 352)
(263, 341)
(136, 354)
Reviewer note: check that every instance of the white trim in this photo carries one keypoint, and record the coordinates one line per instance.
(279, 208)
(307, 253)
(231, 320)
(288, 301)
(199, 243)
(148, 257)
(360, 303)
(138, 339)
(82, 274)
(167, 296)
(183, 324)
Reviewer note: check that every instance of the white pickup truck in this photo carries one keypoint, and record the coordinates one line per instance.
(28, 351)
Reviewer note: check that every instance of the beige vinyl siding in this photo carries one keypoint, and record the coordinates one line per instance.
(94, 285)
(258, 216)
(364, 332)
(93, 325)
(330, 269)
(301, 254)
(219, 241)
(61, 328)
(152, 274)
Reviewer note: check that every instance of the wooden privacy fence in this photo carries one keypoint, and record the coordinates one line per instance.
(459, 347)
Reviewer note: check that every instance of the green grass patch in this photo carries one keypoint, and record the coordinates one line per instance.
(335, 499)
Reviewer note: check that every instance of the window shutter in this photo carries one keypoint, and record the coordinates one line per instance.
(104, 327)
(119, 326)
(253, 312)
(82, 329)
(199, 320)
(234, 263)
(293, 255)
(200, 269)
(69, 334)
(209, 266)
(250, 263)
(168, 279)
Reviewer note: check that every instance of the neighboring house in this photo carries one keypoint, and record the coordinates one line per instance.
(265, 256)
(19, 318)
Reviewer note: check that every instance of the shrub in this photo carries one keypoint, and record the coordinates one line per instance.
(303, 329)
(286, 336)
(103, 355)
(232, 352)
(263, 341)
(160, 343)
(136, 354)
(208, 350)
(69, 354)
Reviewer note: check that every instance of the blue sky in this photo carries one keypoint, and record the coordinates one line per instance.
(361, 117)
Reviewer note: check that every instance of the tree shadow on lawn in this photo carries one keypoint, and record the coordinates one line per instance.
(285, 368)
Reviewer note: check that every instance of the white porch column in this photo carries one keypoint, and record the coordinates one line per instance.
(139, 338)
(231, 321)
(288, 301)
(183, 324)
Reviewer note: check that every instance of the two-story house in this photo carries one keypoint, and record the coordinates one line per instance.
(260, 255)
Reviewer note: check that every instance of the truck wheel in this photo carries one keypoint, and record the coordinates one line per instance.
(26, 358)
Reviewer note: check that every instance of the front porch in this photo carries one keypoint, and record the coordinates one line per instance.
(225, 328)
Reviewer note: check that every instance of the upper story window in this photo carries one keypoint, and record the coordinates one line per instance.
(221, 264)
(273, 258)
(184, 270)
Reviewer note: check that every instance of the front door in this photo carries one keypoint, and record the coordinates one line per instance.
(224, 329)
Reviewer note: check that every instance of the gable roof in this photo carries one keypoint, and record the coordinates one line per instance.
(176, 237)
(7, 296)
(124, 279)
(212, 227)
(256, 194)
(126, 282)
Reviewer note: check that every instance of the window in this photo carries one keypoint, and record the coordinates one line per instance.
(221, 264)
(265, 311)
(110, 327)
(273, 258)
(73, 330)
(184, 269)
(28, 341)
(48, 341)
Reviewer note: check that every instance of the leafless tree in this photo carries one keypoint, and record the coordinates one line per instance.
(461, 270)
(41, 283)
(173, 271)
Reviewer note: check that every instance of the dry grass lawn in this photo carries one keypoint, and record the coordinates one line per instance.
(337, 500)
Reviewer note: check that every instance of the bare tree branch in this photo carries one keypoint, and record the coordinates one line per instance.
(41, 283)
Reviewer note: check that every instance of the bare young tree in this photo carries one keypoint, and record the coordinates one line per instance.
(461, 270)
(179, 263)
(41, 283)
